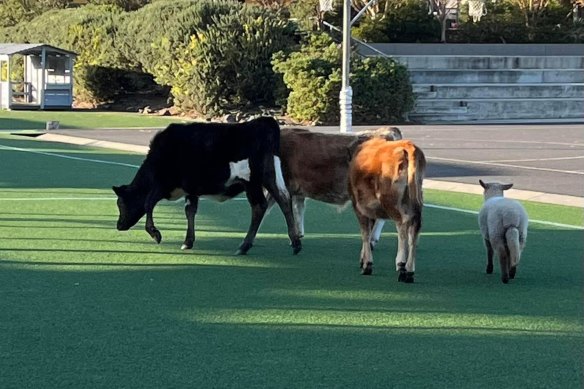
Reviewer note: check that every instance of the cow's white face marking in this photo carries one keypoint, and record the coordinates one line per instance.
(238, 170)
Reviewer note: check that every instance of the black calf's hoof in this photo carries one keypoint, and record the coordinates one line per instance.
(186, 246)
(296, 247)
(512, 272)
(156, 235)
(505, 279)
(243, 249)
(489, 269)
(367, 270)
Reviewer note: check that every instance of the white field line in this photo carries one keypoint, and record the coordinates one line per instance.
(67, 156)
(467, 211)
(505, 165)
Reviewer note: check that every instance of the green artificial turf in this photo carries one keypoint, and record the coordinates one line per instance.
(85, 306)
(81, 119)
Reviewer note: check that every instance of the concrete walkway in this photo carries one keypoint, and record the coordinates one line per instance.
(545, 162)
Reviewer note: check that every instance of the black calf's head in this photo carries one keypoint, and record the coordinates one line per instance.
(130, 205)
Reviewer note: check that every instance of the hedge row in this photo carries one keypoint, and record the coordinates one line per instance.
(214, 55)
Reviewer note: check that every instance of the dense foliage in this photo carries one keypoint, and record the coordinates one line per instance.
(381, 88)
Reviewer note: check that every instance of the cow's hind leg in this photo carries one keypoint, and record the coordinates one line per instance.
(366, 258)
(259, 205)
(151, 200)
(376, 234)
(402, 250)
(191, 206)
(275, 186)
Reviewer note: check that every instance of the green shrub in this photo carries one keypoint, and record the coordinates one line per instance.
(408, 22)
(227, 66)
(382, 92)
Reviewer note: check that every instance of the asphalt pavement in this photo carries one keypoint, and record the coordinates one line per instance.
(544, 162)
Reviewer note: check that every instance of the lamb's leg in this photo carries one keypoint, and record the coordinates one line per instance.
(489, 256)
(503, 254)
(191, 206)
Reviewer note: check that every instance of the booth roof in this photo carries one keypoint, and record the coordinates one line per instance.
(30, 48)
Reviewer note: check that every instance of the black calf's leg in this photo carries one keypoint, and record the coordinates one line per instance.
(258, 203)
(151, 200)
(191, 206)
(489, 256)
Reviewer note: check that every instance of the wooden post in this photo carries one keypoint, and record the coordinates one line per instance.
(43, 69)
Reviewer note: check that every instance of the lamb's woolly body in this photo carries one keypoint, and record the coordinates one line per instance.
(500, 213)
(503, 224)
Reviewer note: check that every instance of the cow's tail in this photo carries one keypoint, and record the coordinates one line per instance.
(416, 168)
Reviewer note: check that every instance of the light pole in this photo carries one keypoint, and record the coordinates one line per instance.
(346, 95)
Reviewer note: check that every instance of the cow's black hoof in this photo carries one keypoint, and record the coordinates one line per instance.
(512, 272)
(489, 269)
(186, 246)
(156, 235)
(505, 279)
(243, 249)
(367, 270)
(296, 247)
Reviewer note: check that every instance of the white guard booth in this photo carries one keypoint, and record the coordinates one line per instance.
(35, 76)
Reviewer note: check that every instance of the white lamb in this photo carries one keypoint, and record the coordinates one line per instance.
(503, 223)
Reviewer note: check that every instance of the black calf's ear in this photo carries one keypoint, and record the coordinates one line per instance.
(117, 189)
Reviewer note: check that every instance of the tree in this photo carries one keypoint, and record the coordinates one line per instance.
(440, 9)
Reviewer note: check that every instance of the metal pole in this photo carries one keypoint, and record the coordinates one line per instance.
(346, 95)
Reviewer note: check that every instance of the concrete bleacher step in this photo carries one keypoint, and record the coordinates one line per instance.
(474, 76)
(491, 62)
(503, 91)
(500, 109)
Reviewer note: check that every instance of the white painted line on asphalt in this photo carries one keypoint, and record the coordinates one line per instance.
(66, 156)
(506, 141)
(536, 159)
(505, 165)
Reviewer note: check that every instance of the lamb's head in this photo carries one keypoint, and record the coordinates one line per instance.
(493, 189)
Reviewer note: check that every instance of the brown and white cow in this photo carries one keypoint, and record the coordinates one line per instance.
(385, 182)
(315, 165)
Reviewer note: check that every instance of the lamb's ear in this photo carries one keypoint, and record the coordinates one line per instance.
(483, 184)
(506, 186)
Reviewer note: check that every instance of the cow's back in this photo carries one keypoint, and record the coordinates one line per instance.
(385, 178)
(202, 151)
(315, 165)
